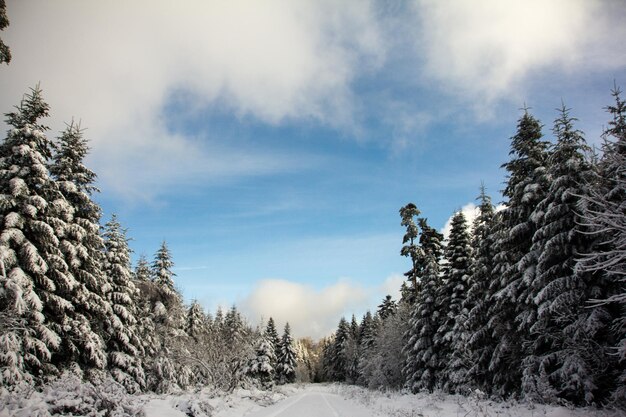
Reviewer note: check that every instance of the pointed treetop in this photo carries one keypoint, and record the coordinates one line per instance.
(31, 108)
(68, 161)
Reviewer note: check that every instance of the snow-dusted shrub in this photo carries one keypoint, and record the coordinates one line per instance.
(69, 396)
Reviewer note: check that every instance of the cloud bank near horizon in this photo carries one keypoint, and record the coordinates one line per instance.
(311, 311)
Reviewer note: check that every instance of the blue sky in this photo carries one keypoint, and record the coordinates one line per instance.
(272, 144)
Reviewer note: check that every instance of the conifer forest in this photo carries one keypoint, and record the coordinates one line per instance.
(526, 303)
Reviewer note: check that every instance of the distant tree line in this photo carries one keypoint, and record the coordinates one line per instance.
(530, 302)
(71, 302)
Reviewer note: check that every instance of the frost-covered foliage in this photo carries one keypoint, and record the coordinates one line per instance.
(603, 210)
(382, 347)
(82, 247)
(70, 396)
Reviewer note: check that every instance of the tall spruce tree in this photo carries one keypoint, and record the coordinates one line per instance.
(526, 186)
(286, 362)
(82, 247)
(338, 355)
(28, 291)
(163, 277)
(452, 335)
(480, 344)
(271, 335)
(423, 361)
(565, 355)
(410, 247)
(123, 345)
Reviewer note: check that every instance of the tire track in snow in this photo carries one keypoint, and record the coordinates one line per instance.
(287, 406)
(334, 411)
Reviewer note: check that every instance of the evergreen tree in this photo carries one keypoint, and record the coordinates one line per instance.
(271, 335)
(564, 354)
(367, 331)
(286, 368)
(480, 343)
(82, 247)
(29, 287)
(195, 321)
(261, 367)
(410, 247)
(422, 359)
(452, 335)
(163, 277)
(338, 360)
(123, 345)
(526, 186)
(142, 270)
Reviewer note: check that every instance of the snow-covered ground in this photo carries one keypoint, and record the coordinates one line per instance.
(296, 400)
(322, 400)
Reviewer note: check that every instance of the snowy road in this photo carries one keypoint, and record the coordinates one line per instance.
(314, 404)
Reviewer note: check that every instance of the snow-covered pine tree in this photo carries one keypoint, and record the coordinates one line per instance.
(167, 368)
(452, 335)
(195, 322)
(565, 354)
(30, 285)
(480, 343)
(261, 368)
(82, 247)
(422, 359)
(338, 363)
(142, 270)
(271, 335)
(286, 367)
(526, 186)
(603, 208)
(124, 346)
(163, 277)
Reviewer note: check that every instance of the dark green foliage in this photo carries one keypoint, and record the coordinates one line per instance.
(387, 307)
(5, 52)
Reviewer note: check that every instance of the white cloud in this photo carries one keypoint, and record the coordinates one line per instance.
(470, 211)
(487, 49)
(114, 64)
(314, 312)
